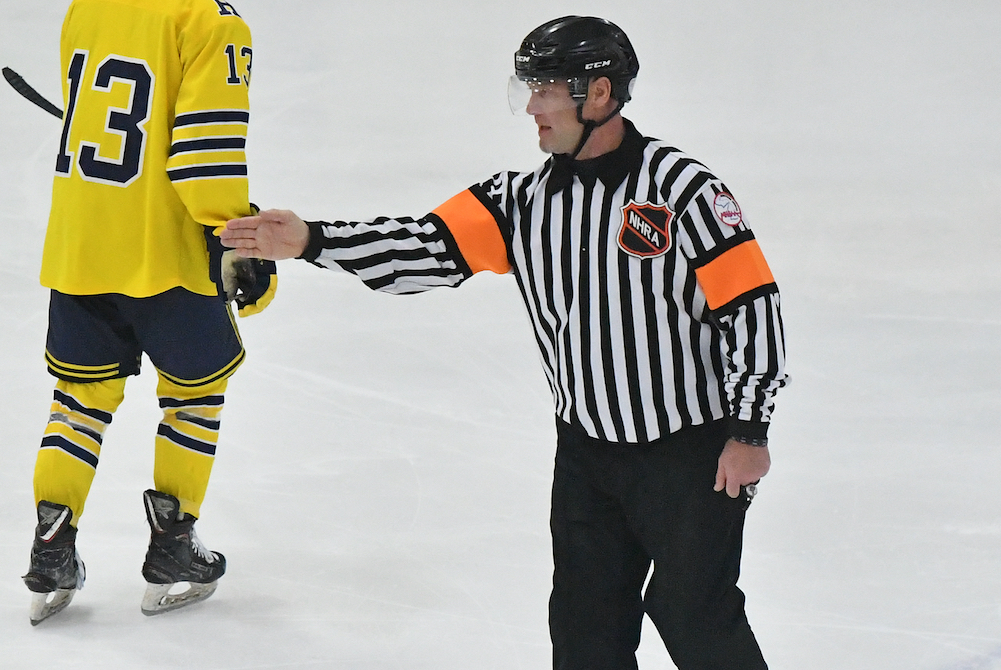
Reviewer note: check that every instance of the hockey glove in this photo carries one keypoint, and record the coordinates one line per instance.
(251, 282)
(256, 281)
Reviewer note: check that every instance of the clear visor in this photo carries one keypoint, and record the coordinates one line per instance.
(545, 95)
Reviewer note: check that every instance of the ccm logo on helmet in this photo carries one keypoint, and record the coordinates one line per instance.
(595, 66)
(523, 59)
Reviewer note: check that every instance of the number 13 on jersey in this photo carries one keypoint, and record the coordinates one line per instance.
(120, 163)
(127, 122)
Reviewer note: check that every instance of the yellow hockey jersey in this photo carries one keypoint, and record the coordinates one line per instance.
(152, 149)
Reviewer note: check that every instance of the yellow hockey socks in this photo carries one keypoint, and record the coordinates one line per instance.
(71, 445)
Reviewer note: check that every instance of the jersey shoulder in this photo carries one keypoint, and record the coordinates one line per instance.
(208, 16)
(199, 15)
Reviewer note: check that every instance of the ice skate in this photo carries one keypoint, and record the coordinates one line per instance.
(56, 572)
(179, 570)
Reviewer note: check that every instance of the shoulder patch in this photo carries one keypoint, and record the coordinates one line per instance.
(645, 231)
(727, 210)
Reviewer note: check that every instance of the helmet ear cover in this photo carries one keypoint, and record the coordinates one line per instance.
(578, 88)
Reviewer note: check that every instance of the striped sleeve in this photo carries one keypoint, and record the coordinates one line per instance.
(207, 163)
(209, 145)
(743, 298)
(404, 255)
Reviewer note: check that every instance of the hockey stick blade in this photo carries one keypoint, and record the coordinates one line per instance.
(31, 95)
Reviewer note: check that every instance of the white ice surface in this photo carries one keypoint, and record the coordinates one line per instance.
(381, 490)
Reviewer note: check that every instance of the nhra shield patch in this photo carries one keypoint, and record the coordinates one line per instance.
(646, 229)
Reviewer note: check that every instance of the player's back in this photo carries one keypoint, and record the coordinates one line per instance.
(152, 148)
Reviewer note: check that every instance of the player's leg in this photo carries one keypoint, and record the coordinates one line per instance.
(694, 535)
(596, 607)
(193, 342)
(90, 350)
(185, 452)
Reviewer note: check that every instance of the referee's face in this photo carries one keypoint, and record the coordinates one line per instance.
(555, 114)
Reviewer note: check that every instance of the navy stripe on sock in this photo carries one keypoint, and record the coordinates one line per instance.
(73, 404)
(169, 433)
(206, 401)
(60, 442)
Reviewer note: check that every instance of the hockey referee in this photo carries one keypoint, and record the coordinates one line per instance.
(658, 323)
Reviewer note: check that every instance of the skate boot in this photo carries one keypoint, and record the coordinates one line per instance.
(56, 572)
(179, 570)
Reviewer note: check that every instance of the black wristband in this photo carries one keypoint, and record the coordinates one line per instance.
(315, 244)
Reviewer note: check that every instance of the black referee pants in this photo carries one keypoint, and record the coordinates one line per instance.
(616, 508)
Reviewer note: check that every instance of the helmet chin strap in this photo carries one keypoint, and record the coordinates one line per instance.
(591, 125)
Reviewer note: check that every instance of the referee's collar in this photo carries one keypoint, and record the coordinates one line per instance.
(610, 168)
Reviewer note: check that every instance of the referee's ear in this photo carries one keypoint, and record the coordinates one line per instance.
(599, 94)
(601, 87)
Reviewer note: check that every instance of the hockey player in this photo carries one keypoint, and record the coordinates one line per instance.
(658, 323)
(151, 165)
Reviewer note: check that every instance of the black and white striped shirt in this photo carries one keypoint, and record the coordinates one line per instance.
(653, 307)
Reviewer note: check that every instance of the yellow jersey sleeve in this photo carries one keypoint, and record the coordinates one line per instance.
(153, 144)
(207, 164)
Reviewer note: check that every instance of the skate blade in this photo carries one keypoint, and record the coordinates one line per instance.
(159, 599)
(44, 605)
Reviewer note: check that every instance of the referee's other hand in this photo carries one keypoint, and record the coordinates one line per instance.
(739, 465)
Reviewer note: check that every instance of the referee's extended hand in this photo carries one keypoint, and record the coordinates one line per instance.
(739, 465)
(274, 234)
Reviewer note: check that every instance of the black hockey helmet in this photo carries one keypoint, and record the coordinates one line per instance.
(578, 49)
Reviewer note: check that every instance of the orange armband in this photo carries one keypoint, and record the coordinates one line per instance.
(734, 273)
(475, 232)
